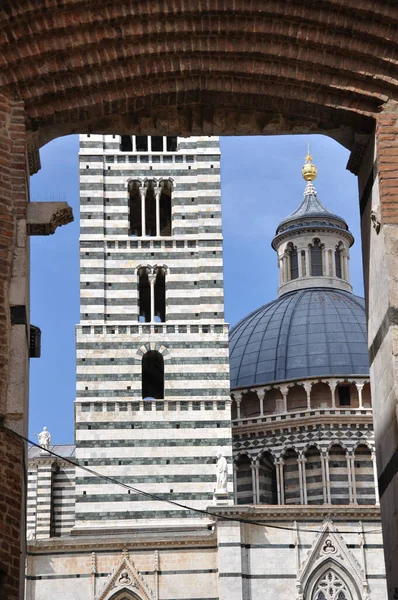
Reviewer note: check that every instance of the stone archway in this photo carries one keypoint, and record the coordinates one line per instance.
(185, 68)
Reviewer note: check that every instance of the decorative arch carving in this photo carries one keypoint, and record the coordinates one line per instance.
(330, 552)
(125, 583)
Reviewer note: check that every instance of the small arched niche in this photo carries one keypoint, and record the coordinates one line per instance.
(364, 475)
(267, 479)
(250, 405)
(347, 395)
(321, 396)
(234, 410)
(366, 396)
(165, 208)
(144, 296)
(313, 475)
(160, 294)
(272, 399)
(150, 210)
(135, 222)
(291, 480)
(296, 398)
(244, 480)
(316, 259)
(338, 475)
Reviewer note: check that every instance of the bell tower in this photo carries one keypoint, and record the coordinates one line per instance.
(152, 401)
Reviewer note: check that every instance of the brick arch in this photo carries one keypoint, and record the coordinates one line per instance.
(169, 68)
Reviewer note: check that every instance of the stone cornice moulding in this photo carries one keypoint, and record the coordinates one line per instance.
(301, 512)
(133, 539)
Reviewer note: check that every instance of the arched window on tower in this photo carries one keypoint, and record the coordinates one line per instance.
(165, 208)
(144, 296)
(316, 259)
(126, 143)
(293, 262)
(135, 223)
(150, 209)
(160, 294)
(152, 375)
(338, 261)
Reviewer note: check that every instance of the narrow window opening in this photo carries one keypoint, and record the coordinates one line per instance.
(337, 259)
(171, 144)
(150, 211)
(165, 209)
(157, 143)
(141, 143)
(293, 263)
(344, 395)
(152, 375)
(126, 143)
(316, 259)
(160, 295)
(144, 296)
(135, 209)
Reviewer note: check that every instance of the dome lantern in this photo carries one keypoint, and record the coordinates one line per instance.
(312, 243)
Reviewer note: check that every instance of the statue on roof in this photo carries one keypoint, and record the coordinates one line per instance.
(44, 438)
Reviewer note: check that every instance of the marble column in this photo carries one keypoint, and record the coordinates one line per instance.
(359, 387)
(158, 192)
(254, 482)
(152, 280)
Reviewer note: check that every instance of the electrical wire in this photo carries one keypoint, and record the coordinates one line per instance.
(206, 513)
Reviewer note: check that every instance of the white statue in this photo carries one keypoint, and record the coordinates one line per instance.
(222, 474)
(44, 438)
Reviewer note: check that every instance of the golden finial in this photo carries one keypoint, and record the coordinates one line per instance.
(309, 170)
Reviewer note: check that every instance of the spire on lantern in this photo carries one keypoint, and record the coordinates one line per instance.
(309, 170)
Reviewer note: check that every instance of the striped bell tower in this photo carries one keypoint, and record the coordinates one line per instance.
(152, 400)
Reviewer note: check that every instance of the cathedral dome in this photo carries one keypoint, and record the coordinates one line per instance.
(310, 332)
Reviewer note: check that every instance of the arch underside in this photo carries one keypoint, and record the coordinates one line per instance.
(227, 67)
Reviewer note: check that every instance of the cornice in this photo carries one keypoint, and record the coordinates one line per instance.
(132, 538)
(300, 512)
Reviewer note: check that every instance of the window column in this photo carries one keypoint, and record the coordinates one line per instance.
(307, 262)
(158, 192)
(152, 280)
(325, 478)
(279, 480)
(299, 263)
(254, 482)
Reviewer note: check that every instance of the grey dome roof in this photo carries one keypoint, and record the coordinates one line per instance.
(312, 332)
(311, 213)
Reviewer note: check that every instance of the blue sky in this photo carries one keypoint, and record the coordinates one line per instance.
(261, 184)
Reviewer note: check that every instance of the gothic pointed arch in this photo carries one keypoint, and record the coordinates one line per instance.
(125, 583)
(330, 554)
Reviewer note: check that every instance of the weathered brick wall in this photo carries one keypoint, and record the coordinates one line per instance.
(11, 500)
(13, 197)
